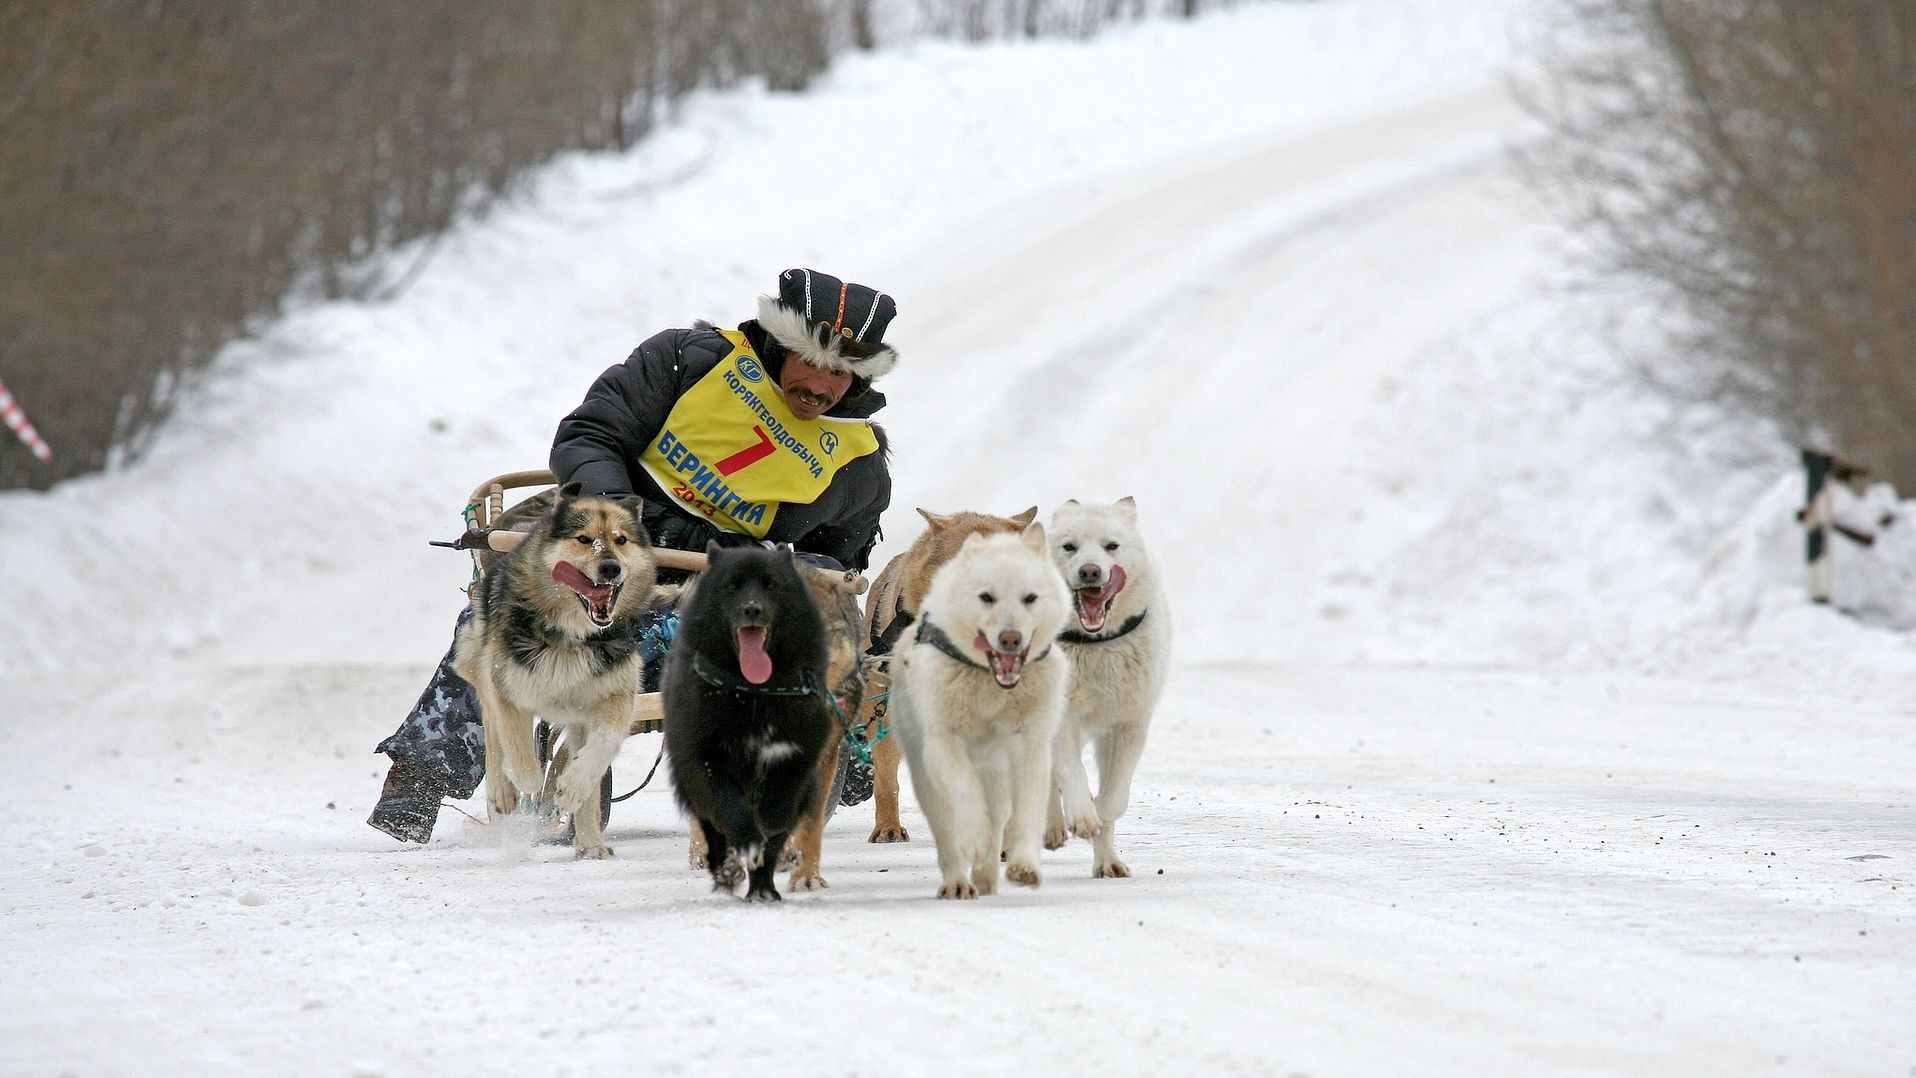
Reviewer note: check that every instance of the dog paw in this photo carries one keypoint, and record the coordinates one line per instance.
(985, 879)
(501, 802)
(804, 880)
(958, 889)
(764, 894)
(729, 874)
(894, 833)
(1086, 823)
(1110, 869)
(1055, 837)
(592, 853)
(1023, 873)
(790, 859)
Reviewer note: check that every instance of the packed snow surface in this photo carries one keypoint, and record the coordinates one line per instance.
(1501, 738)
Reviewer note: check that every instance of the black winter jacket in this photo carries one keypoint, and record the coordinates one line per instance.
(599, 445)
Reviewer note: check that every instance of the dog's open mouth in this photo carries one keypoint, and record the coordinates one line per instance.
(754, 665)
(598, 599)
(1006, 666)
(1094, 604)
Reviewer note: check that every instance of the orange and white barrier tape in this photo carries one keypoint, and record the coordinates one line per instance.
(17, 421)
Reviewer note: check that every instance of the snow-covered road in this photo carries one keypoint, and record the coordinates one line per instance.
(1340, 870)
(1197, 356)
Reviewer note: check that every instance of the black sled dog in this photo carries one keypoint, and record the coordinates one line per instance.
(746, 710)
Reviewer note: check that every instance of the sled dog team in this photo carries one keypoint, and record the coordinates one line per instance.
(1000, 649)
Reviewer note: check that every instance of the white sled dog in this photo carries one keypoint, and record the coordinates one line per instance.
(977, 695)
(1120, 650)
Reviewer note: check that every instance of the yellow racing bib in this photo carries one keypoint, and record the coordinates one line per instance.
(732, 452)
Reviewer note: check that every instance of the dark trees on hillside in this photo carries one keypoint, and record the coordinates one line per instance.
(169, 170)
(172, 170)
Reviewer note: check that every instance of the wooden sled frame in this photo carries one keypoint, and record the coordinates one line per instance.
(487, 507)
(485, 514)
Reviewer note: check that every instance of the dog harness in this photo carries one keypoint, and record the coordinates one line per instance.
(1078, 636)
(933, 635)
(732, 452)
(806, 685)
(901, 619)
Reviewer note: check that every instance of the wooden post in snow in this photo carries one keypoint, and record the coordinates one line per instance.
(1815, 516)
(1821, 472)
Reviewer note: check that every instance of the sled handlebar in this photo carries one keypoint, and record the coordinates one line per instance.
(489, 503)
(691, 561)
(502, 541)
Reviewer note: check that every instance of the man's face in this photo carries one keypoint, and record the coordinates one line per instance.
(810, 391)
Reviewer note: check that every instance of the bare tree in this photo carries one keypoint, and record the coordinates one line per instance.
(859, 14)
(1754, 158)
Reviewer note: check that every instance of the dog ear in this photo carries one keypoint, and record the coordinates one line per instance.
(933, 519)
(1026, 517)
(570, 490)
(635, 508)
(1130, 507)
(1033, 536)
(713, 548)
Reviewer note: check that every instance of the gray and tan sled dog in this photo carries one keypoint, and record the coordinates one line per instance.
(551, 635)
(1120, 649)
(978, 693)
(891, 608)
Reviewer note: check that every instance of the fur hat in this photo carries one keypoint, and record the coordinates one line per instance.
(830, 323)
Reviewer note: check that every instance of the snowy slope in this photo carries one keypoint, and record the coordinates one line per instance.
(1501, 741)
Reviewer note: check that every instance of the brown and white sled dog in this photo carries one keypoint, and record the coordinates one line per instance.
(550, 635)
(837, 597)
(977, 695)
(1120, 649)
(890, 610)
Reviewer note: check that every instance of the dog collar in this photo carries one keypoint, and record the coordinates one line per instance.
(933, 635)
(1076, 636)
(721, 679)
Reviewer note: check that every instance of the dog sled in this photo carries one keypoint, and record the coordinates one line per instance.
(494, 528)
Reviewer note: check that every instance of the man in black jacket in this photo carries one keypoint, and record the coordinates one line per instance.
(759, 433)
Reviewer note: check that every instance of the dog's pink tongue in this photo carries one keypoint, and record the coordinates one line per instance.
(752, 660)
(1006, 666)
(1094, 604)
(569, 575)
